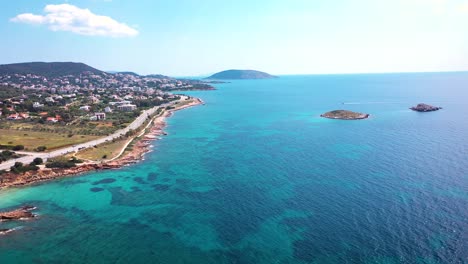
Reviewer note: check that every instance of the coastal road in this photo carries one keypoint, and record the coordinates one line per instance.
(60, 152)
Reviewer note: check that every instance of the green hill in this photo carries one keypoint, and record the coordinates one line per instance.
(241, 75)
(48, 69)
(128, 72)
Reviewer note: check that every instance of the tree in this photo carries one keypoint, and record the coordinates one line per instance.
(38, 161)
(41, 148)
(18, 147)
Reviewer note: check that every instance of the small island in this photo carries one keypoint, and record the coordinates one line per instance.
(240, 75)
(425, 108)
(344, 115)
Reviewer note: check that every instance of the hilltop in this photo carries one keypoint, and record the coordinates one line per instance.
(241, 75)
(48, 69)
(159, 76)
(128, 73)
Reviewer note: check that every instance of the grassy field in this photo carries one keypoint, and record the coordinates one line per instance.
(110, 150)
(32, 139)
(183, 103)
(89, 128)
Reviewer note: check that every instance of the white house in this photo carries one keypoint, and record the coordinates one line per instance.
(85, 108)
(37, 105)
(127, 107)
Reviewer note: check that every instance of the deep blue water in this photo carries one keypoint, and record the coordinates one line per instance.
(256, 176)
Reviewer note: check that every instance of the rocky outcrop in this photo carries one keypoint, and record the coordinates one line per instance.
(344, 115)
(425, 108)
(24, 212)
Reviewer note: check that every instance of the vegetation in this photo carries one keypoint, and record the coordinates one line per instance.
(12, 147)
(7, 155)
(9, 92)
(38, 161)
(18, 147)
(21, 168)
(32, 140)
(52, 69)
(344, 114)
(62, 162)
(103, 151)
(41, 148)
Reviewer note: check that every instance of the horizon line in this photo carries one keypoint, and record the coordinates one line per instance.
(275, 74)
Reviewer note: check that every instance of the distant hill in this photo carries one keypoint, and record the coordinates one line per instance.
(240, 75)
(48, 69)
(129, 73)
(159, 76)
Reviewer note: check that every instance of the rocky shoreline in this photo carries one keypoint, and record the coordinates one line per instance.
(136, 154)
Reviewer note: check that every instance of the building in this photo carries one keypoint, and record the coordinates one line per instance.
(14, 117)
(127, 107)
(100, 116)
(120, 103)
(108, 110)
(51, 120)
(23, 115)
(86, 108)
(37, 105)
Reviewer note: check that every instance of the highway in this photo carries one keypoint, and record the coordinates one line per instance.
(60, 152)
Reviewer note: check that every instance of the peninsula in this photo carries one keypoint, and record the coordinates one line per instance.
(425, 108)
(241, 75)
(344, 115)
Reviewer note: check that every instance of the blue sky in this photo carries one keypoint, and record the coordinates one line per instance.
(189, 37)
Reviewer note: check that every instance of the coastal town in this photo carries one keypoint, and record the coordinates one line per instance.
(87, 96)
(50, 122)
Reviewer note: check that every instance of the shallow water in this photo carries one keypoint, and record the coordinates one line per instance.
(256, 176)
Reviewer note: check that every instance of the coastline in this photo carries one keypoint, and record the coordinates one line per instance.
(140, 148)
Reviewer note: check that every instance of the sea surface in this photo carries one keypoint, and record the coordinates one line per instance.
(256, 176)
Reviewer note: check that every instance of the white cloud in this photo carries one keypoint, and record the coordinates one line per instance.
(66, 17)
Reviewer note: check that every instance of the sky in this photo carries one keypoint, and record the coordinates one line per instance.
(199, 37)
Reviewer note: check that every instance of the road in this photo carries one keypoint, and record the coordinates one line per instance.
(60, 152)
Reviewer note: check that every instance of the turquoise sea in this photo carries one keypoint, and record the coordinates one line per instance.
(256, 176)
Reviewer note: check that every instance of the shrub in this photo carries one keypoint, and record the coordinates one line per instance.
(75, 160)
(18, 147)
(59, 163)
(20, 168)
(6, 155)
(41, 148)
(62, 162)
(38, 161)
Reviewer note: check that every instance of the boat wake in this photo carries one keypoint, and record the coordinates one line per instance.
(363, 103)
